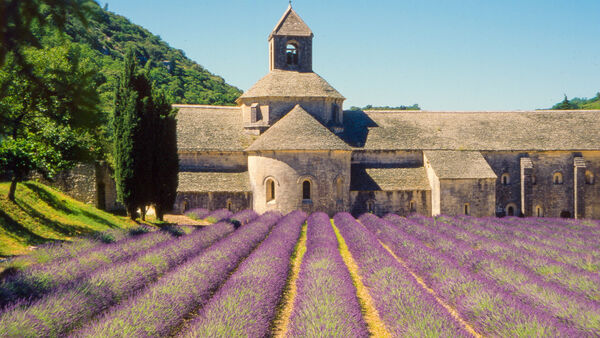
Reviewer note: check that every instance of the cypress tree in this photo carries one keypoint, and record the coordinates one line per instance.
(166, 161)
(125, 123)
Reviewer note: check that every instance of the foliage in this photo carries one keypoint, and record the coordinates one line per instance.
(370, 107)
(578, 103)
(49, 115)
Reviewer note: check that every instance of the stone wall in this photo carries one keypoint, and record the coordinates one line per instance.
(592, 187)
(385, 202)
(235, 201)
(478, 194)
(278, 55)
(388, 158)
(289, 169)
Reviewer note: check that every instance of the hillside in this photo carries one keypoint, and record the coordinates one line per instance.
(108, 36)
(42, 214)
(579, 103)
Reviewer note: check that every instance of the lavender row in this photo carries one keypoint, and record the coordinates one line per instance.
(41, 279)
(585, 261)
(218, 215)
(479, 300)
(162, 307)
(243, 217)
(327, 303)
(403, 305)
(568, 276)
(61, 311)
(198, 213)
(247, 302)
(562, 303)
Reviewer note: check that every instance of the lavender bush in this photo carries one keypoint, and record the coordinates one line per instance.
(490, 309)
(218, 215)
(198, 213)
(64, 309)
(326, 304)
(162, 307)
(40, 279)
(403, 305)
(243, 217)
(247, 302)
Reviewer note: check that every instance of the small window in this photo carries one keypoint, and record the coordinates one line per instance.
(412, 206)
(185, 206)
(229, 205)
(589, 177)
(370, 206)
(505, 179)
(510, 210)
(270, 190)
(533, 180)
(339, 188)
(557, 178)
(335, 113)
(291, 54)
(255, 113)
(467, 209)
(306, 190)
(539, 211)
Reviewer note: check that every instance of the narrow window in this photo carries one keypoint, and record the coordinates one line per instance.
(306, 190)
(255, 113)
(510, 211)
(339, 188)
(467, 209)
(292, 54)
(229, 205)
(539, 212)
(370, 206)
(558, 178)
(186, 206)
(412, 206)
(589, 177)
(270, 190)
(335, 112)
(505, 179)
(533, 180)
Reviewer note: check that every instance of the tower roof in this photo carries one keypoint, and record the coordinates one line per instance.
(291, 24)
(298, 130)
(279, 83)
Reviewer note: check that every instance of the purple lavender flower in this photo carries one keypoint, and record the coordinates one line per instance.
(326, 304)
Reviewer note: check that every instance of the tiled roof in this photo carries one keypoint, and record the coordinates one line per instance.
(298, 130)
(213, 182)
(291, 24)
(211, 128)
(388, 179)
(449, 164)
(512, 131)
(286, 83)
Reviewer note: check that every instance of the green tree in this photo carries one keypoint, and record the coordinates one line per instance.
(48, 120)
(166, 161)
(566, 105)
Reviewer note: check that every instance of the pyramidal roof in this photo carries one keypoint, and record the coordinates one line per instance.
(285, 83)
(298, 130)
(291, 24)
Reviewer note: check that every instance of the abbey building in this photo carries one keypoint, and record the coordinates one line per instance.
(290, 145)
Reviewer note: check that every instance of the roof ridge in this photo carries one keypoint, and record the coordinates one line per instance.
(302, 30)
(298, 130)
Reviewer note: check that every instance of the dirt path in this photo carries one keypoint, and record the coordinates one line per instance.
(184, 220)
(448, 308)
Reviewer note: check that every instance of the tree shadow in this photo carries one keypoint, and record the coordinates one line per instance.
(64, 229)
(15, 228)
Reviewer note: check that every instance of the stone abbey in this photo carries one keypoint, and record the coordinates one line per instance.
(290, 145)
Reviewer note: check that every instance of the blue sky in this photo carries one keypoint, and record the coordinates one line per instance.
(442, 54)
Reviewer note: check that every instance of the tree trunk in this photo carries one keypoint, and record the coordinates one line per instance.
(13, 189)
(159, 213)
(143, 211)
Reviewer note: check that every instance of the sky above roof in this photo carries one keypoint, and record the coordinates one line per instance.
(443, 54)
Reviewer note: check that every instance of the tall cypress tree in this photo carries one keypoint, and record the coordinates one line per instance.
(166, 161)
(125, 123)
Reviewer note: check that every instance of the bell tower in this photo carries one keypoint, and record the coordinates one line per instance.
(290, 44)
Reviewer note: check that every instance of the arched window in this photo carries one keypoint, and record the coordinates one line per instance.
(185, 206)
(557, 178)
(505, 179)
(467, 209)
(539, 211)
(270, 190)
(229, 205)
(589, 177)
(291, 52)
(339, 188)
(510, 210)
(412, 206)
(306, 190)
(370, 206)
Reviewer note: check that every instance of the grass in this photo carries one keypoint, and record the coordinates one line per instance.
(41, 214)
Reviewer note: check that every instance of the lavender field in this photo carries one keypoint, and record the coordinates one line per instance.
(300, 275)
